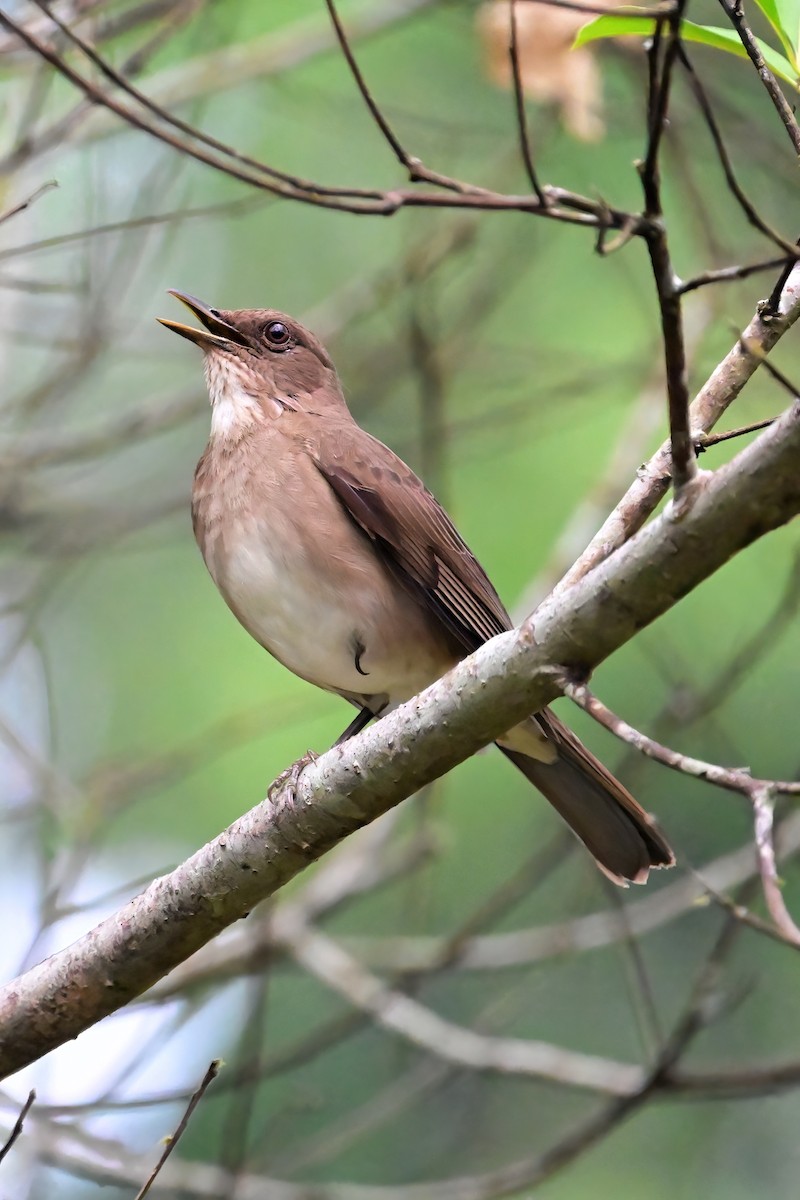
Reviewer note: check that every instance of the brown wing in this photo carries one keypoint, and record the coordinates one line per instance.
(415, 537)
(420, 544)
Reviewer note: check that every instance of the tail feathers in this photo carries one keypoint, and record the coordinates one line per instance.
(624, 840)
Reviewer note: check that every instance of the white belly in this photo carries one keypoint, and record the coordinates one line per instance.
(316, 620)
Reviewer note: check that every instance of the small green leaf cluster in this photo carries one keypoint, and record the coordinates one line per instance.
(783, 17)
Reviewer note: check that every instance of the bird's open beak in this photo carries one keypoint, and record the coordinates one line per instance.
(217, 332)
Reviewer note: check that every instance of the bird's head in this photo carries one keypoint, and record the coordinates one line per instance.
(259, 363)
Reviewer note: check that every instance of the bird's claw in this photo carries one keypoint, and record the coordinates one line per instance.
(291, 776)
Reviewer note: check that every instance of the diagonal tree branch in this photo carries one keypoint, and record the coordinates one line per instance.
(509, 677)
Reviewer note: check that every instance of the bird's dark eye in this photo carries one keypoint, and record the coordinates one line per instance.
(277, 334)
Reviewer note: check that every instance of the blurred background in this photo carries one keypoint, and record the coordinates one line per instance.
(519, 373)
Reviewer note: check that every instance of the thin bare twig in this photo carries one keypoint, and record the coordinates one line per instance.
(783, 380)
(28, 201)
(705, 1004)
(380, 120)
(18, 1125)
(707, 440)
(728, 274)
(744, 915)
(521, 109)
(174, 216)
(734, 10)
(173, 1139)
(748, 208)
(661, 57)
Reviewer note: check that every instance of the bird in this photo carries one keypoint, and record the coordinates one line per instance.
(338, 561)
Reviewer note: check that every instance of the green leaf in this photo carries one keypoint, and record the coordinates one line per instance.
(707, 35)
(606, 27)
(784, 17)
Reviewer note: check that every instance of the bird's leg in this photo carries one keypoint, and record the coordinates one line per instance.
(292, 774)
(359, 722)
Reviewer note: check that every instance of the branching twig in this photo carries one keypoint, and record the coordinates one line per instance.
(760, 792)
(733, 779)
(565, 206)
